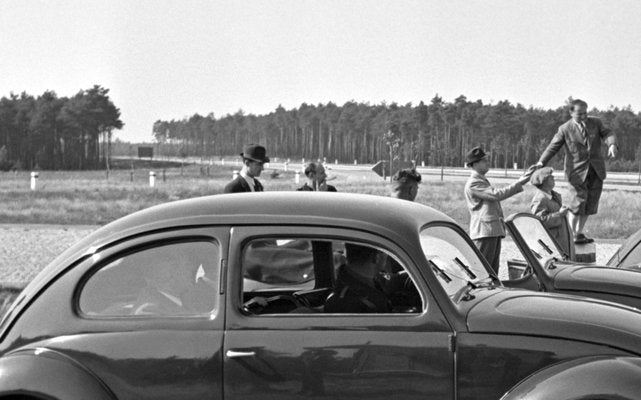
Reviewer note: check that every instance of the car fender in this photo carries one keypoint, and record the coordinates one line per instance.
(49, 374)
(602, 377)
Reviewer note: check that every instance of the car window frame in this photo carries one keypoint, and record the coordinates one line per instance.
(127, 246)
(346, 240)
(431, 312)
(466, 238)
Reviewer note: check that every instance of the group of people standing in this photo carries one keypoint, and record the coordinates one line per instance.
(581, 137)
(404, 182)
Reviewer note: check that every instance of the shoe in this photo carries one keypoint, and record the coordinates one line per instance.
(582, 239)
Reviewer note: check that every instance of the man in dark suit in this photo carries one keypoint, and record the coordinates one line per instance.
(355, 289)
(253, 160)
(581, 137)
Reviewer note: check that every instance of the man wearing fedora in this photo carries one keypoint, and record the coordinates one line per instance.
(484, 202)
(253, 159)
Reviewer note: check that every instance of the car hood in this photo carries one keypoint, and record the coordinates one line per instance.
(554, 315)
(599, 279)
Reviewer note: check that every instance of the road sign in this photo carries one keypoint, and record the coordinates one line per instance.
(382, 167)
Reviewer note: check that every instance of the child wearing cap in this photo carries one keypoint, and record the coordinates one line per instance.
(548, 205)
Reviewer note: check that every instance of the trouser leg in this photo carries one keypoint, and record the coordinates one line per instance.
(491, 249)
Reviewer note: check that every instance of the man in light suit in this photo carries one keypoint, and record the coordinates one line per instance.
(581, 137)
(253, 159)
(484, 202)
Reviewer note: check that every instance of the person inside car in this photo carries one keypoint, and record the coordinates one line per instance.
(355, 290)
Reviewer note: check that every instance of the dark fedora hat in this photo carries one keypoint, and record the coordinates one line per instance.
(474, 155)
(254, 152)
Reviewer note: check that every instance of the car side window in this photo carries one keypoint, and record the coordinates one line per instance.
(325, 276)
(175, 279)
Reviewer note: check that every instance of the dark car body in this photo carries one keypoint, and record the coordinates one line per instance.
(550, 270)
(90, 326)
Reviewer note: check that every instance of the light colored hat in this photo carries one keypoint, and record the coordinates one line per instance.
(540, 175)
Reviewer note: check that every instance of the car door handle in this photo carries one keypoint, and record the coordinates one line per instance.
(238, 354)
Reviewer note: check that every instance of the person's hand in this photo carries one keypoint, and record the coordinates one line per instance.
(613, 150)
(525, 178)
(563, 210)
(322, 186)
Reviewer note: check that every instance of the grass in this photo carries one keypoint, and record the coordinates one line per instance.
(89, 198)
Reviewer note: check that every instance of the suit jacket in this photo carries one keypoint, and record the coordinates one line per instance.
(307, 188)
(548, 210)
(484, 203)
(240, 185)
(580, 154)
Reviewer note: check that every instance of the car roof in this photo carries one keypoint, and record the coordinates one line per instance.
(383, 215)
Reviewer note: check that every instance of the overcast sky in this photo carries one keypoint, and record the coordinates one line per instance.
(171, 59)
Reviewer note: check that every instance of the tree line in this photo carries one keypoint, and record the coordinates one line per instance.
(438, 133)
(51, 132)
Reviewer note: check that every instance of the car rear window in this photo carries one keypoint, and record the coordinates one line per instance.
(175, 279)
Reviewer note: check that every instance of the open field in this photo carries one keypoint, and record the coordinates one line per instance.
(38, 225)
(89, 198)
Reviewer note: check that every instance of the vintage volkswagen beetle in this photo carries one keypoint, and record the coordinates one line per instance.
(185, 301)
(549, 269)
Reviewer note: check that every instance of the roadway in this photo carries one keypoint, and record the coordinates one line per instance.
(614, 181)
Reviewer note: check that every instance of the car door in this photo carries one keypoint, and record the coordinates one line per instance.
(628, 256)
(301, 350)
(142, 343)
(537, 246)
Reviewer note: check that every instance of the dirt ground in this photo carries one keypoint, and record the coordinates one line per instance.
(26, 249)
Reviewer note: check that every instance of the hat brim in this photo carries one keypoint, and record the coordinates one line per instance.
(469, 163)
(265, 160)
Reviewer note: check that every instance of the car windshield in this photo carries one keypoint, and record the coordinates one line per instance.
(537, 238)
(452, 258)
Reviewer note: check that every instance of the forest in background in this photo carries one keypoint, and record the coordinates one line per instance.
(438, 133)
(75, 133)
(51, 132)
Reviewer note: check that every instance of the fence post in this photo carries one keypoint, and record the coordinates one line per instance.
(34, 178)
(297, 177)
(152, 178)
